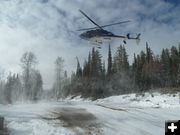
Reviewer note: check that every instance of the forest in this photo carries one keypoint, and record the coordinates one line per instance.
(148, 71)
(95, 79)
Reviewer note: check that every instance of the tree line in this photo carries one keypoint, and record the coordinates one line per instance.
(25, 87)
(148, 71)
(95, 78)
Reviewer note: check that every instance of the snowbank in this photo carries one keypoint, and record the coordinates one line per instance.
(156, 100)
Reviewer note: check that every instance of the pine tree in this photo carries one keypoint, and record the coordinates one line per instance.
(178, 77)
(118, 60)
(148, 67)
(138, 70)
(85, 66)
(78, 69)
(109, 70)
(134, 65)
(156, 72)
(103, 70)
(65, 74)
(96, 65)
(99, 62)
(89, 65)
(125, 60)
(8, 89)
(141, 74)
(93, 64)
(134, 70)
(179, 51)
(174, 63)
(16, 88)
(120, 63)
(165, 66)
(37, 85)
(149, 56)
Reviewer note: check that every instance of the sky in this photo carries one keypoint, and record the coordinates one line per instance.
(48, 28)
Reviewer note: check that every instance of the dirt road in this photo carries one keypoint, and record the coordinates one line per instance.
(79, 120)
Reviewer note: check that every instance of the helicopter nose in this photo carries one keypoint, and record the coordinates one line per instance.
(81, 36)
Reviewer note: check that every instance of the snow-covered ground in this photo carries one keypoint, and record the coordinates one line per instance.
(119, 115)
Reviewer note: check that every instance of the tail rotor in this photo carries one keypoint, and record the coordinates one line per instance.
(138, 38)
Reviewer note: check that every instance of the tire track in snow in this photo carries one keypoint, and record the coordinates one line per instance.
(133, 115)
(78, 120)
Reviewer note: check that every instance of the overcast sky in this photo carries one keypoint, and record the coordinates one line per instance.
(48, 28)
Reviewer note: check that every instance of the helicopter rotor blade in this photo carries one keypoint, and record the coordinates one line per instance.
(90, 19)
(115, 23)
(104, 26)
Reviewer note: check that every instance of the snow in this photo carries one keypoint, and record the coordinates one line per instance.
(148, 100)
(124, 114)
(25, 119)
(36, 127)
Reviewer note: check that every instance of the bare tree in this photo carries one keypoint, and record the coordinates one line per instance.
(28, 61)
(59, 77)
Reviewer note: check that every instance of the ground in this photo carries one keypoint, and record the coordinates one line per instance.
(120, 115)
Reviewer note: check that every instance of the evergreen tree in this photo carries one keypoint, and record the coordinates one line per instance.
(99, 63)
(93, 64)
(13, 88)
(135, 71)
(141, 73)
(149, 56)
(89, 65)
(17, 93)
(134, 65)
(96, 65)
(78, 69)
(103, 70)
(148, 68)
(179, 49)
(120, 63)
(165, 66)
(37, 85)
(85, 69)
(178, 77)
(174, 63)
(156, 73)
(8, 89)
(65, 74)
(125, 60)
(109, 70)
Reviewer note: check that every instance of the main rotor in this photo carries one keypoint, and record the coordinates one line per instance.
(98, 26)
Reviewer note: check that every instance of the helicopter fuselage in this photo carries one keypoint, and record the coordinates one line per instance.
(97, 35)
(100, 35)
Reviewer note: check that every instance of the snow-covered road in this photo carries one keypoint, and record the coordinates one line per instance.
(118, 115)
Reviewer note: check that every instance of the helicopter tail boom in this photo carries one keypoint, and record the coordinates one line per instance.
(137, 38)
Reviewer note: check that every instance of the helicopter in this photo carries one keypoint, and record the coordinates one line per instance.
(97, 35)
